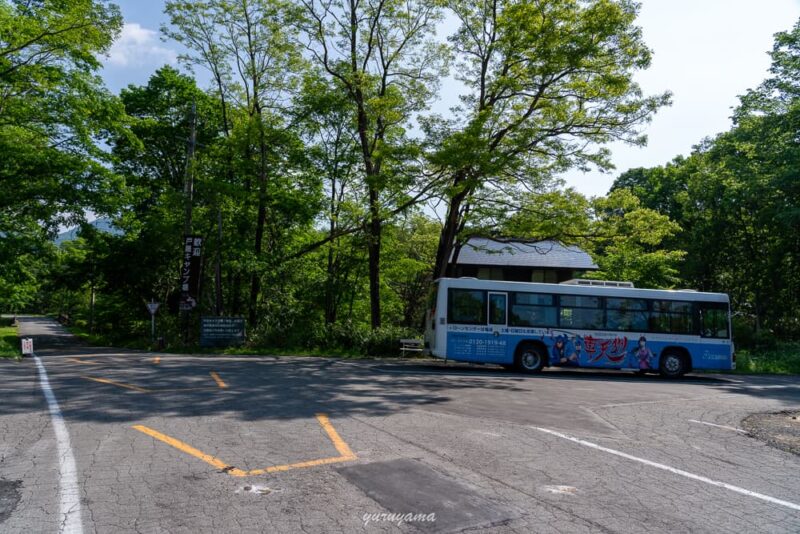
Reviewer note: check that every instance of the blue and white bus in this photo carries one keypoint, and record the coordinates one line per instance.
(586, 324)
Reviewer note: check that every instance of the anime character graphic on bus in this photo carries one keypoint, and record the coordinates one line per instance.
(578, 344)
(565, 352)
(642, 355)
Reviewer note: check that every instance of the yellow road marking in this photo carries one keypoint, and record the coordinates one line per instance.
(177, 390)
(299, 465)
(118, 384)
(342, 447)
(218, 380)
(338, 442)
(145, 390)
(188, 449)
(157, 360)
(85, 362)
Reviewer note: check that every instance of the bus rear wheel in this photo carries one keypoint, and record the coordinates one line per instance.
(530, 358)
(673, 364)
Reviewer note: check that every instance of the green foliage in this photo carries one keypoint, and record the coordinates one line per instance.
(409, 254)
(363, 340)
(781, 359)
(53, 108)
(9, 340)
(550, 83)
(25, 256)
(315, 149)
(628, 242)
(736, 200)
(561, 214)
(53, 111)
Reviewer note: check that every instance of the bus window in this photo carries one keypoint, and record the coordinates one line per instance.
(466, 306)
(497, 308)
(585, 318)
(581, 312)
(532, 309)
(714, 320)
(671, 317)
(626, 315)
(580, 301)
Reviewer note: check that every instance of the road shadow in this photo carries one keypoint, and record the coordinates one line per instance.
(132, 387)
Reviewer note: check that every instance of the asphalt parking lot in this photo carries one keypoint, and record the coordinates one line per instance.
(145, 442)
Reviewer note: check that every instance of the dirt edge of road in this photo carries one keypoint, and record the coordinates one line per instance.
(778, 429)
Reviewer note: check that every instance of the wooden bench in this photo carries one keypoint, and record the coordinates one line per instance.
(410, 345)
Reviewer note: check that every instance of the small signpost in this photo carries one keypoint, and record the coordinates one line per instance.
(221, 331)
(27, 346)
(152, 307)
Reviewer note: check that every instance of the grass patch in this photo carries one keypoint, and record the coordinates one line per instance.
(9, 340)
(80, 331)
(246, 350)
(783, 360)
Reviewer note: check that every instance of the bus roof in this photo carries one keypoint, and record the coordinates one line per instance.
(568, 289)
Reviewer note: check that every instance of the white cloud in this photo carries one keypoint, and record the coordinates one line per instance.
(138, 46)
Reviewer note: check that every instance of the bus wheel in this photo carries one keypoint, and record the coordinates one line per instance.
(530, 358)
(672, 365)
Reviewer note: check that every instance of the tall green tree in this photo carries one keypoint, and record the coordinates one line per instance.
(154, 164)
(627, 240)
(382, 54)
(248, 47)
(736, 199)
(54, 111)
(53, 108)
(549, 83)
(333, 150)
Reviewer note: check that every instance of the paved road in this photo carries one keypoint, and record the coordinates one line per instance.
(169, 443)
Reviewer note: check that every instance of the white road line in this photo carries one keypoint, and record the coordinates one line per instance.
(718, 426)
(680, 472)
(661, 401)
(68, 490)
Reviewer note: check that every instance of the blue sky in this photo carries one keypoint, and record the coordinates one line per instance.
(707, 52)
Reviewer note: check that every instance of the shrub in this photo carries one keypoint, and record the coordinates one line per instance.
(743, 332)
(385, 341)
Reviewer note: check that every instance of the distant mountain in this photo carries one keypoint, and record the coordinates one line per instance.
(102, 225)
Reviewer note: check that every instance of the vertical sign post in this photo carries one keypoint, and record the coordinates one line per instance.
(152, 307)
(187, 302)
(190, 271)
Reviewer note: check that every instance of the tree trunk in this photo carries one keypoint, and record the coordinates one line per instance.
(255, 282)
(236, 294)
(452, 223)
(218, 297)
(91, 307)
(330, 301)
(218, 267)
(374, 248)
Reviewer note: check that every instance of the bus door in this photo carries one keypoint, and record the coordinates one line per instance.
(495, 350)
(497, 311)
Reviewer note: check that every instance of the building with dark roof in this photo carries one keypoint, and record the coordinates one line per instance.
(518, 261)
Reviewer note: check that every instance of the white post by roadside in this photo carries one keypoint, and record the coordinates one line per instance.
(152, 307)
(27, 346)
